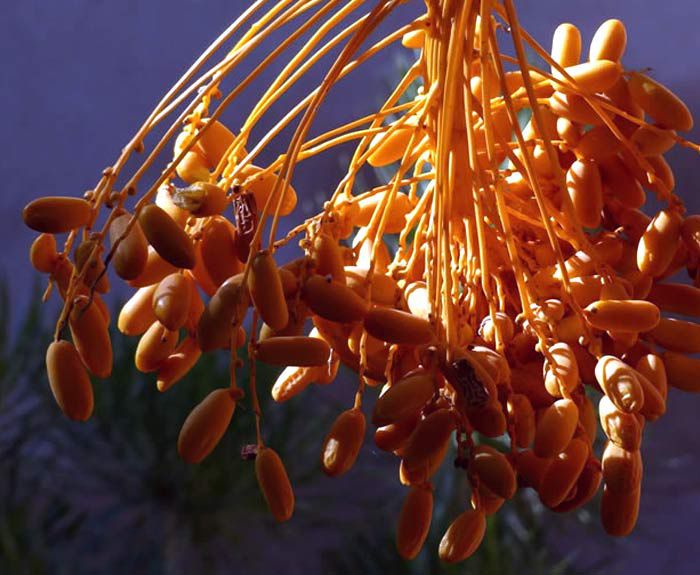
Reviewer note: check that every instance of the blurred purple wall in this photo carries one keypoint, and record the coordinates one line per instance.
(80, 75)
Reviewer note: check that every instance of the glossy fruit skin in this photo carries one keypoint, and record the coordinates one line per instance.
(171, 300)
(463, 536)
(57, 214)
(414, 521)
(205, 426)
(90, 334)
(43, 254)
(266, 290)
(343, 442)
(274, 484)
(69, 380)
(301, 351)
(167, 238)
(131, 255)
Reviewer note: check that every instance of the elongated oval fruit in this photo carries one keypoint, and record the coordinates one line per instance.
(343, 442)
(654, 403)
(609, 41)
(614, 290)
(274, 483)
(193, 166)
(555, 428)
(164, 199)
(91, 336)
(404, 399)
(417, 299)
(622, 468)
(574, 108)
(261, 184)
(514, 82)
(429, 439)
(167, 238)
(489, 420)
(43, 254)
(199, 273)
(623, 429)
(396, 218)
(102, 306)
(569, 132)
(420, 474)
(619, 382)
(660, 103)
(599, 144)
(218, 250)
(677, 335)
(393, 437)
(292, 381)
(413, 39)
(621, 184)
(623, 315)
(619, 511)
(566, 46)
(396, 326)
(662, 173)
(463, 536)
(493, 470)
(89, 263)
(385, 290)
(57, 214)
(388, 147)
(653, 142)
(195, 309)
(156, 269)
(584, 489)
(214, 141)
(522, 416)
(201, 199)
(154, 347)
(226, 309)
(530, 468)
(561, 374)
(585, 289)
(579, 264)
(486, 500)
(652, 367)
(205, 426)
(328, 257)
(591, 77)
(301, 351)
(682, 371)
(501, 324)
(332, 300)
(528, 380)
(61, 275)
(136, 315)
(69, 381)
(266, 290)
(414, 521)
(562, 473)
(131, 254)
(171, 300)
(585, 189)
(178, 363)
(658, 243)
(676, 298)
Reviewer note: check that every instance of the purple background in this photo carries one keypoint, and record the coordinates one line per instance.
(80, 76)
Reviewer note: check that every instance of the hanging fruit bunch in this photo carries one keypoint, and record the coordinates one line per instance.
(523, 270)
